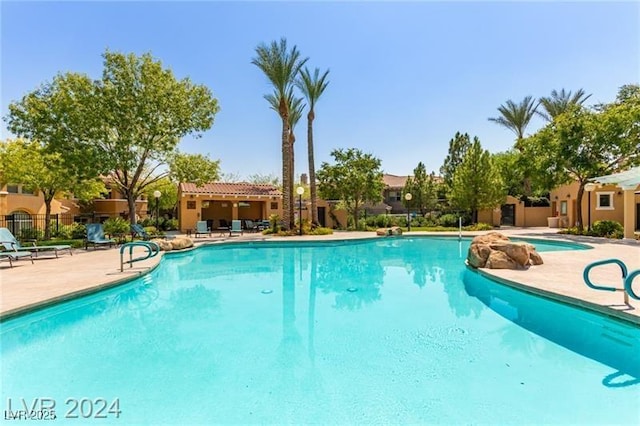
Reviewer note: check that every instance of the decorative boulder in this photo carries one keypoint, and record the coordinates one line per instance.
(164, 244)
(180, 243)
(496, 251)
(396, 230)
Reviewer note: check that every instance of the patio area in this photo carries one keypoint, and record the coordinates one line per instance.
(49, 280)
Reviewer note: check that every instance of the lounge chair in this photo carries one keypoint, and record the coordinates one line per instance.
(15, 255)
(12, 244)
(236, 228)
(95, 236)
(202, 228)
(138, 230)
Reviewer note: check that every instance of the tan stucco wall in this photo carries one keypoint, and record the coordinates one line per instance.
(570, 194)
(223, 207)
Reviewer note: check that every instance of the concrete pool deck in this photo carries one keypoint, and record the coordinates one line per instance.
(49, 280)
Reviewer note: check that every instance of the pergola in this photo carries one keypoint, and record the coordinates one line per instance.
(629, 181)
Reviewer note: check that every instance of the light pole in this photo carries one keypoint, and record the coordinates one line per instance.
(408, 197)
(589, 188)
(157, 195)
(300, 191)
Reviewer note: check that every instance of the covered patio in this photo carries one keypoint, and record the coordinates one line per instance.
(629, 182)
(219, 203)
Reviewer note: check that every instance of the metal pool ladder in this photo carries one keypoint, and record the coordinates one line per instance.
(627, 278)
(152, 250)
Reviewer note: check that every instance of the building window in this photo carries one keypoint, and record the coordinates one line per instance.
(274, 205)
(20, 224)
(12, 189)
(27, 191)
(563, 208)
(605, 201)
(191, 205)
(395, 196)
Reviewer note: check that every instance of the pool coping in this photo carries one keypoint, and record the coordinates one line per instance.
(558, 297)
(108, 284)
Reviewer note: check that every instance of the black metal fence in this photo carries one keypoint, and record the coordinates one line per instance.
(25, 226)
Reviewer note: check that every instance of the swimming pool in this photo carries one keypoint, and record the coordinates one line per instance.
(392, 330)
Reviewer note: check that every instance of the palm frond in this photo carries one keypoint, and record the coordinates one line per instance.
(516, 116)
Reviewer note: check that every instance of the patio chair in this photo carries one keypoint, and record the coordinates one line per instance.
(236, 228)
(250, 225)
(202, 228)
(95, 236)
(12, 244)
(138, 230)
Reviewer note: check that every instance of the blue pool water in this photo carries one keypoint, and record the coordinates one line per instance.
(379, 331)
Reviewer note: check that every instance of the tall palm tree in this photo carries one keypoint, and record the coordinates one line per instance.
(281, 65)
(516, 117)
(312, 87)
(560, 102)
(295, 108)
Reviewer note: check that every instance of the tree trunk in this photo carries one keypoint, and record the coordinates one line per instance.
(312, 170)
(131, 202)
(355, 215)
(286, 182)
(47, 217)
(292, 214)
(579, 207)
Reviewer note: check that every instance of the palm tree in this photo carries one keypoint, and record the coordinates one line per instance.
(281, 65)
(558, 103)
(295, 108)
(516, 117)
(312, 87)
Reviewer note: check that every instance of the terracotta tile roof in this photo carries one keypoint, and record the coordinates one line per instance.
(228, 188)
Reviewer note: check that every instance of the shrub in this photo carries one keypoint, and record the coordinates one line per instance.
(116, 226)
(169, 224)
(448, 220)
(607, 228)
(321, 231)
(78, 231)
(30, 234)
(274, 220)
(479, 227)
(64, 231)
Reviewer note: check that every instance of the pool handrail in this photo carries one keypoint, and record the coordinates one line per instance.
(623, 268)
(152, 250)
(627, 284)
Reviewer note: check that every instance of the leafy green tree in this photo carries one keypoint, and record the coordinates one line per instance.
(423, 189)
(29, 164)
(312, 87)
(510, 168)
(355, 178)
(516, 117)
(169, 194)
(268, 179)
(281, 65)
(458, 147)
(230, 177)
(477, 183)
(193, 168)
(128, 123)
(581, 144)
(560, 102)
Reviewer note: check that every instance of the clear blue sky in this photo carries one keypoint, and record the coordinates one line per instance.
(404, 76)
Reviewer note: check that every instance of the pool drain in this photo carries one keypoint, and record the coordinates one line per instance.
(267, 291)
(352, 289)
